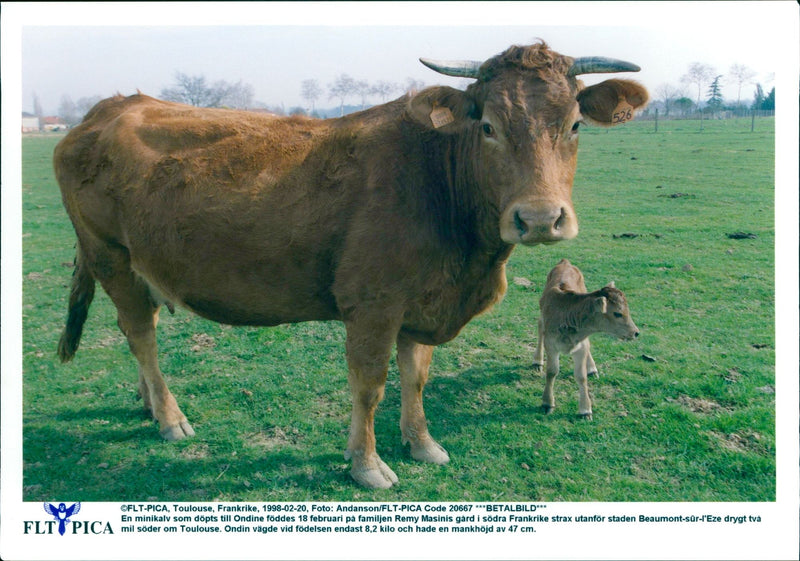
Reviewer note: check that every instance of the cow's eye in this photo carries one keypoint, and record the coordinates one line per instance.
(576, 126)
(488, 129)
(617, 315)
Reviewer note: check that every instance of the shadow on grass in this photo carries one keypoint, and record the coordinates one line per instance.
(109, 453)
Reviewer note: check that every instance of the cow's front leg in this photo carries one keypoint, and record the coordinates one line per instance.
(413, 360)
(552, 365)
(581, 357)
(369, 345)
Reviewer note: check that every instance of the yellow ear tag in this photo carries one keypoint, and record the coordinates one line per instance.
(441, 116)
(622, 113)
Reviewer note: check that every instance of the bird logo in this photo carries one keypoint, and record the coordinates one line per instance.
(62, 514)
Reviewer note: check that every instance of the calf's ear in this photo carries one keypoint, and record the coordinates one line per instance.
(443, 109)
(600, 304)
(612, 102)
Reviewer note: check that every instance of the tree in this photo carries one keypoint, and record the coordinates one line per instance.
(741, 75)
(384, 89)
(363, 89)
(37, 109)
(343, 87)
(668, 95)
(763, 102)
(715, 94)
(310, 91)
(758, 97)
(683, 104)
(73, 112)
(193, 90)
(699, 75)
(413, 85)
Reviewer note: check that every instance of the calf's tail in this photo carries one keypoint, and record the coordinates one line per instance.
(80, 298)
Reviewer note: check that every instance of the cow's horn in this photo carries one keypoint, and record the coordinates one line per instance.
(459, 68)
(598, 64)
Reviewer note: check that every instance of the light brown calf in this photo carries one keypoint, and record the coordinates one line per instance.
(569, 315)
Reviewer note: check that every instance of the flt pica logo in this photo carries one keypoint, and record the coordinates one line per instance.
(62, 522)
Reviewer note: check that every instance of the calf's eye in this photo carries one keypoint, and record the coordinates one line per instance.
(576, 126)
(488, 129)
(617, 315)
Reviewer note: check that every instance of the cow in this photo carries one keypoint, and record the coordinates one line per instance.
(568, 316)
(397, 221)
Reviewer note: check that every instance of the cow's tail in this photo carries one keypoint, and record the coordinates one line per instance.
(80, 298)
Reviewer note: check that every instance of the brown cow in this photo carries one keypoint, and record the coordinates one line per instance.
(397, 221)
(568, 316)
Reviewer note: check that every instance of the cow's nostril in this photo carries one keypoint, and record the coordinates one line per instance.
(562, 218)
(635, 333)
(520, 224)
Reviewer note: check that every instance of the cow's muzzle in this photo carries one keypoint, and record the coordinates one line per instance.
(532, 224)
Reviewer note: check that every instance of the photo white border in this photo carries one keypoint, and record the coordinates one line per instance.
(776, 537)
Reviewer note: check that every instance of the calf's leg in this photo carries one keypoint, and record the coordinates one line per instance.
(591, 367)
(538, 354)
(581, 356)
(369, 344)
(413, 360)
(548, 399)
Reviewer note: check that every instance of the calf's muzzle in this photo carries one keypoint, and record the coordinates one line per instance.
(535, 223)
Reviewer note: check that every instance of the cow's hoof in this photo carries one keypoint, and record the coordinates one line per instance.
(547, 409)
(429, 451)
(381, 477)
(585, 416)
(537, 366)
(177, 432)
(594, 373)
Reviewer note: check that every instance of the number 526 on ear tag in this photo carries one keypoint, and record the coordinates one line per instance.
(622, 113)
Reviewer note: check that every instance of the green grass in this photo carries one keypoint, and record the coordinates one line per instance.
(271, 406)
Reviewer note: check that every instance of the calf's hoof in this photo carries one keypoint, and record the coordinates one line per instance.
(429, 451)
(380, 476)
(177, 432)
(594, 373)
(547, 409)
(585, 416)
(537, 366)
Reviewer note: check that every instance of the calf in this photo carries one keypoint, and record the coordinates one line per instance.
(569, 315)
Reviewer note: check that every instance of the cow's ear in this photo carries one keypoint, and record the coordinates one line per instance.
(611, 285)
(441, 108)
(600, 304)
(612, 102)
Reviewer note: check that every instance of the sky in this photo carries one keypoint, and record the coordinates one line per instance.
(96, 49)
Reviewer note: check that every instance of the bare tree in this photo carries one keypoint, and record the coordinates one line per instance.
(668, 94)
(193, 90)
(37, 109)
(343, 87)
(741, 75)
(384, 89)
(699, 75)
(310, 91)
(72, 112)
(363, 89)
(413, 85)
(236, 96)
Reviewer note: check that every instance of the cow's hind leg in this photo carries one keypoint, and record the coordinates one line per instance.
(413, 360)
(137, 316)
(369, 345)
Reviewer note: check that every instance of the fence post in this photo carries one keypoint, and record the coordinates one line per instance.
(753, 120)
(656, 119)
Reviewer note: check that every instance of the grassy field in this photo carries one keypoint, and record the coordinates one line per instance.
(685, 413)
